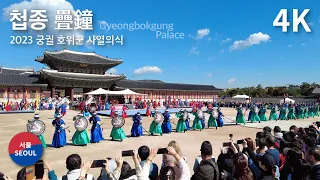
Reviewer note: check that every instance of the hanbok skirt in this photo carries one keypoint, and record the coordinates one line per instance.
(80, 138)
(283, 116)
(300, 115)
(43, 142)
(316, 113)
(220, 122)
(59, 139)
(212, 122)
(166, 127)
(263, 117)
(96, 135)
(311, 114)
(240, 119)
(273, 116)
(124, 114)
(155, 128)
(117, 134)
(291, 115)
(254, 117)
(196, 124)
(306, 114)
(136, 130)
(187, 124)
(181, 126)
(203, 124)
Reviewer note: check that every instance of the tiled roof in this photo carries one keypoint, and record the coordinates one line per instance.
(158, 85)
(316, 91)
(79, 57)
(20, 80)
(81, 76)
(5, 70)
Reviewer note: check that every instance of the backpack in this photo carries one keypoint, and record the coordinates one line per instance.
(216, 169)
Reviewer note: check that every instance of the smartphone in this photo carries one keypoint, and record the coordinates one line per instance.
(127, 153)
(162, 151)
(257, 142)
(98, 163)
(240, 141)
(230, 136)
(226, 144)
(39, 169)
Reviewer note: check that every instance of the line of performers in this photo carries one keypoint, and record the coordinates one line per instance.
(161, 124)
(286, 112)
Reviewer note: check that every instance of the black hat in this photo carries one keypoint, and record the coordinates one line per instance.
(206, 148)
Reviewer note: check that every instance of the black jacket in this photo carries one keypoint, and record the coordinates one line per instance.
(207, 170)
(315, 172)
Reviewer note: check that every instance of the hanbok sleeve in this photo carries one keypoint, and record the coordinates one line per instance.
(54, 122)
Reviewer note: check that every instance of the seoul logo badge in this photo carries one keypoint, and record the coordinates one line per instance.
(25, 149)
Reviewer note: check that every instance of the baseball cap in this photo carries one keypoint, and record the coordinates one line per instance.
(206, 148)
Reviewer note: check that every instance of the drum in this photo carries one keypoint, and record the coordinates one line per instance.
(256, 110)
(185, 115)
(37, 127)
(80, 123)
(215, 114)
(200, 114)
(158, 118)
(117, 122)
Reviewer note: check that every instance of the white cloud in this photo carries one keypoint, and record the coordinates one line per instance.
(226, 40)
(290, 46)
(209, 75)
(201, 33)
(230, 81)
(222, 51)
(51, 6)
(147, 69)
(253, 39)
(194, 50)
(112, 71)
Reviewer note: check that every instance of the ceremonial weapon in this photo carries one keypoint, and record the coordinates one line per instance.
(145, 130)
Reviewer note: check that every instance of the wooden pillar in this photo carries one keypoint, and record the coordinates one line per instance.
(53, 89)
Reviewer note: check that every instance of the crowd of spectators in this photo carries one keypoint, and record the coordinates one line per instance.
(274, 154)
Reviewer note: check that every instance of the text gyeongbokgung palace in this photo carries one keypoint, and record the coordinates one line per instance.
(74, 72)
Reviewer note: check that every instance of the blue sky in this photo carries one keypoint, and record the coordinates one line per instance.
(205, 55)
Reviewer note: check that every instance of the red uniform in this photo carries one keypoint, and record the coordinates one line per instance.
(124, 111)
(148, 112)
(113, 112)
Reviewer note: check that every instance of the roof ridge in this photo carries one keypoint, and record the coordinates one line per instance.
(18, 69)
(85, 53)
(72, 73)
(171, 83)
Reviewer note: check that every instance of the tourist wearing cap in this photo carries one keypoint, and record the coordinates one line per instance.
(181, 125)
(59, 137)
(96, 131)
(166, 124)
(80, 138)
(155, 127)
(117, 133)
(136, 130)
(43, 142)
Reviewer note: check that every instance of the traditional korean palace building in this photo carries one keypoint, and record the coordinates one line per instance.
(71, 72)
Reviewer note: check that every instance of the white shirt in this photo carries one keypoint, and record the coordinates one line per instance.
(75, 174)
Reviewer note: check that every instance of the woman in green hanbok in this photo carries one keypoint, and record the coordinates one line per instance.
(291, 114)
(155, 128)
(316, 110)
(283, 113)
(273, 114)
(311, 112)
(300, 112)
(196, 122)
(117, 134)
(80, 138)
(262, 113)
(212, 122)
(240, 117)
(306, 112)
(43, 142)
(181, 125)
(254, 115)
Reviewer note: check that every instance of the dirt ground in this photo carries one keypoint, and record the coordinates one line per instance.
(190, 142)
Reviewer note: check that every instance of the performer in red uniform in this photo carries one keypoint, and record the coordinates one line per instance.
(124, 111)
(148, 112)
(144, 104)
(113, 111)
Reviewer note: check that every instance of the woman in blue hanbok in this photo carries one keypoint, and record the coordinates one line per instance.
(136, 130)
(202, 120)
(220, 119)
(107, 107)
(59, 137)
(166, 124)
(187, 121)
(96, 131)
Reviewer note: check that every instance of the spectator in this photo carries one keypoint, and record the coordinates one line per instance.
(207, 169)
(242, 171)
(294, 129)
(73, 163)
(270, 142)
(277, 132)
(267, 164)
(144, 153)
(301, 171)
(313, 157)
